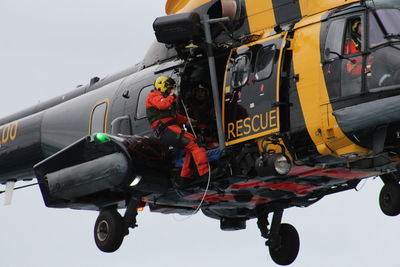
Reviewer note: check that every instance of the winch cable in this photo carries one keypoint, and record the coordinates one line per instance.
(209, 171)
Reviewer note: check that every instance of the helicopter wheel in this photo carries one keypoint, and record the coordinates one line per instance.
(285, 247)
(389, 199)
(109, 230)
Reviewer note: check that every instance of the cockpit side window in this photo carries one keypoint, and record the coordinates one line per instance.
(241, 70)
(344, 45)
(375, 33)
(332, 53)
(390, 20)
(333, 44)
(383, 67)
(265, 62)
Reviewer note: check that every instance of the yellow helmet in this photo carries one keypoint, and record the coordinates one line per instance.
(164, 83)
(355, 25)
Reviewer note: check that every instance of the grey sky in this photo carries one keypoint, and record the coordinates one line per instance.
(47, 47)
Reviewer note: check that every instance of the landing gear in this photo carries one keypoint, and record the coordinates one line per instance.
(111, 228)
(286, 246)
(389, 197)
(282, 239)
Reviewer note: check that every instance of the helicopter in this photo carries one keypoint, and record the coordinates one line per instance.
(281, 146)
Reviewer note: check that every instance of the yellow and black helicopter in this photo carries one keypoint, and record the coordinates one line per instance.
(298, 115)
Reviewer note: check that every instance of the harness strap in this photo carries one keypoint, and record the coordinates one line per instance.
(161, 126)
(153, 114)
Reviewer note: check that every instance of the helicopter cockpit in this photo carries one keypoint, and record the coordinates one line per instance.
(361, 52)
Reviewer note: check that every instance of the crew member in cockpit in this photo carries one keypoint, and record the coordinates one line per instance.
(352, 46)
(164, 119)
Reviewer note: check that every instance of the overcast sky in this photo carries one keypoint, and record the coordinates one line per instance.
(47, 48)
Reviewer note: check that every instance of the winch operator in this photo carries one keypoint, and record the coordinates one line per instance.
(166, 122)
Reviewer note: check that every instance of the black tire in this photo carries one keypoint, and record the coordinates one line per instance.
(109, 230)
(389, 199)
(287, 246)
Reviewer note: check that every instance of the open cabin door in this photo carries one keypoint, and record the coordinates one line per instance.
(251, 94)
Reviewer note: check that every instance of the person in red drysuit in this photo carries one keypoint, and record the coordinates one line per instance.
(164, 119)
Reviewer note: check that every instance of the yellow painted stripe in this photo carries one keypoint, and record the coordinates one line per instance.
(317, 110)
(260, 15)
(311, 87)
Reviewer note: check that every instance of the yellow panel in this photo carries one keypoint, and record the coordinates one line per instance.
(306, 63)
(260, 14)
(180, 6)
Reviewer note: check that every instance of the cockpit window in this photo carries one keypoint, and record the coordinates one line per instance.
(384, 26)
(333, 44)
(383, 65)
(265, 62)
(344, 61)
(376, 36)
(362, 53)
(241, 69)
